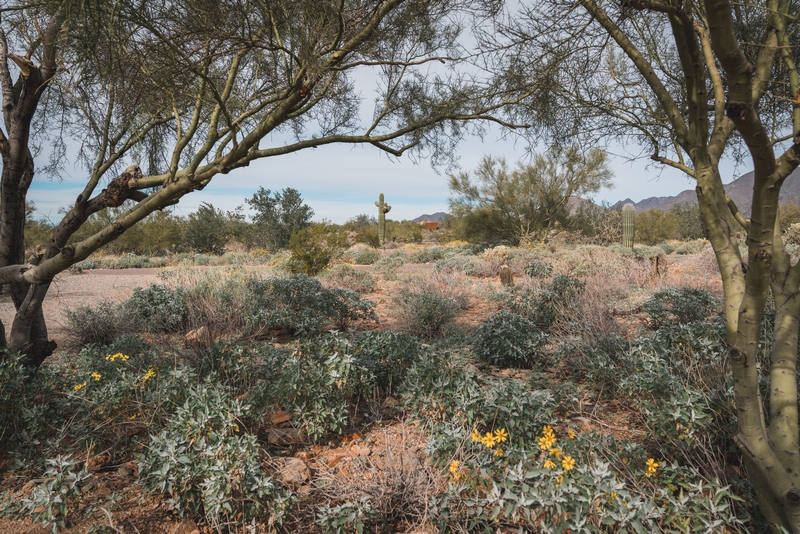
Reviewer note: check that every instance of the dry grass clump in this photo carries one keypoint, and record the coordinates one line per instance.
(346, 277)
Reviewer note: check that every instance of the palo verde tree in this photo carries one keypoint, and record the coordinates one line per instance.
(277, 217)
(166, 96)
(692, 82)
(524, 204)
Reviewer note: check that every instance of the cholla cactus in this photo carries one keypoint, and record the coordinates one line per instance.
(628, 218)
(383, 209)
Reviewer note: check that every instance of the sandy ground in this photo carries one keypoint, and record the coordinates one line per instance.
(72, 290)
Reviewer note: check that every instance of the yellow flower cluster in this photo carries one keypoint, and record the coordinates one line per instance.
(547, 439)
(97, 376)
(455, 473)
(652, 466)
(80, 386)
(151, 372)
(117, 356)
(489, 440)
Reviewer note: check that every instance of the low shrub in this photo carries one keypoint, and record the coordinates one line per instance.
(208, 467)
(159, 308)
(539, 269)
(314, 246)
(506, 339)
(346, 277)
(544, 307)
(679, 305)
(424, 313)
(386, 356)
(100, 324)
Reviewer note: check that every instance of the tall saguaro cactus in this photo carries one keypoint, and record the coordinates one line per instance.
(383, 209)
(628, 219)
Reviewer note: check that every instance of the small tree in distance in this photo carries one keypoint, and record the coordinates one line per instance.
(278, 216)
(524, 204)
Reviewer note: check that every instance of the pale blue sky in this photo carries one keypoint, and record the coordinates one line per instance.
(342, 181)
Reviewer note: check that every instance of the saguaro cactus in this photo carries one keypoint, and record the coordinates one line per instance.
(383, 209)
(628, 218)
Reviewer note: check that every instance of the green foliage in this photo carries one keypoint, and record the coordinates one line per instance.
(52, 502)
(679, 305)
(159, 308)
(386, 356)
(539, 269)
(490, 206)
(423, 313)
(314, 246)
(207, 229)
(506, 339)
(347, 517)
(277, 217)
(544, 307)
(207, 466)
(691, 221)
(655, 226)
(403, 232)
(99, 324)
(300, 305)
(362, 257)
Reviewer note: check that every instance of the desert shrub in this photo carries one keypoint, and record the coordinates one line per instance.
(318, 383)
(388, 265)
(679, 306)
(426, 255)
(346, 306)
(544, 307)
(369, 236)
(424, 313)
(691, 247)
(365, 257)
(458, 264)
(386, 356)
(100, 324)
(346, 277)
(539, 269)
(299, 305)
(314, 246)
(159, 308)
(654, 226)
(506, 339)
(207, 467)
(668, 248)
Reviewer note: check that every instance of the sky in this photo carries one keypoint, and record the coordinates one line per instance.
(342, 181)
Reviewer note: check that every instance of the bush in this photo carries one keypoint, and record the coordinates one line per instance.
(680, 305)
(346, 277)
(100, 324)
(207, 467)
(506, 339)
(424, 313)
(159, 308)
(347, 306)
(387, 356)
(314, 246)
(545, 307)
(539, 269)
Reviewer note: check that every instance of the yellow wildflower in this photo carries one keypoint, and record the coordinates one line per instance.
(555, 452)
(546, 442)
(571, 433)
(475, 435)
(652, 466)
(498, 452)
(79, 387)
(548, 431)
(568, 463)
(488, 440)
(500, 436)
(614, 495)
(97, 376)
(151, 372)
(548, 464)
(560, 479)
(117, 356)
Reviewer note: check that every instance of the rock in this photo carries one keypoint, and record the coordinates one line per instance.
(98, 462)
(280, 418)
(200, 338)
(294, 472)
(284, 436)
(390, 402)
(103, 490)
(186, 527)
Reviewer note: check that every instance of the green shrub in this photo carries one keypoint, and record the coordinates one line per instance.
(386, 356)
(300, 305)
(159, 308)
(366, 257)
(100, 324)
(314, 246)
(423, 313)
(539, 269)
(679, 305)
(369, 236)
(207, 467)
(544, 307)
(506, 339)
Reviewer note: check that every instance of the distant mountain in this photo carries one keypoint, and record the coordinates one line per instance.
(436, 217)
(740, 190)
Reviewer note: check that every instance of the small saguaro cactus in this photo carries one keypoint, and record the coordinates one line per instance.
(383, 209)
(628, 218)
